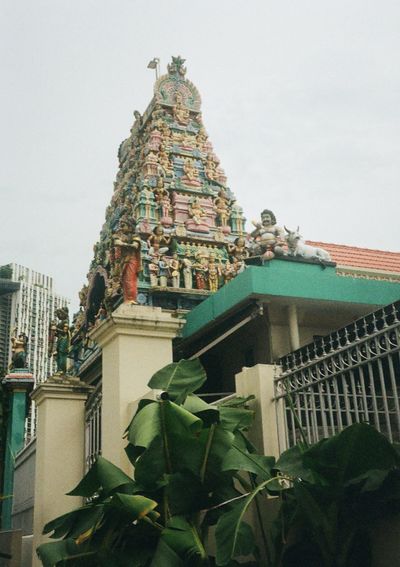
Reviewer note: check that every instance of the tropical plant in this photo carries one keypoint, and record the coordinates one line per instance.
(197, 477)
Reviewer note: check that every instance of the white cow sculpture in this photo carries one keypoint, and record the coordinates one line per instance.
(297, 247)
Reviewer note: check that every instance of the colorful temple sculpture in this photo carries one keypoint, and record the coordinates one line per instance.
(173, 231)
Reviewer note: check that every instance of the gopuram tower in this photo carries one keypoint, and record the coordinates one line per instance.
(173, 230)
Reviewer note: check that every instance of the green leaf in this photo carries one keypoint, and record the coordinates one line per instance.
(165, 556)
(148, 423)
(103, 474)
(238, 459)
(234, 537)
(52, 553)
(136, 507)
(207, 413)
(181, 536)
(179, 379)
(235, 419)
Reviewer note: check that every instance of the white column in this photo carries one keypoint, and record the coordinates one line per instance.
(136, 341)
(268, 430)
(293, 327)
(60, 458)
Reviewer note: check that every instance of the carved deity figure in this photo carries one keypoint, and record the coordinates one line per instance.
(191, 174)
(129, 245)
(221, 206)
(201, 139)
(196, 211)
(60, 339)
(174, 265)
(19, 347)
(228, 272)
(200, 272)
(187, 271)
(238, 249)
(165, 164)
(158, 239)
(214, 272)
(210, 169)
(180, 113)
(268, 237)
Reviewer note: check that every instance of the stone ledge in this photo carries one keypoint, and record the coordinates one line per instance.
(137, 320)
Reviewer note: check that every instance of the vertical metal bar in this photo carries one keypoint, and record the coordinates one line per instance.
(373, 396)
(395, 393)
(346, 401)
(314, 421)
(323, 410)
(364, 393)
(330, 408)
(354, 394)
(338, 405)
(385, 401)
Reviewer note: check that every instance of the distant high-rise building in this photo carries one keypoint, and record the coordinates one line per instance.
(27, 305)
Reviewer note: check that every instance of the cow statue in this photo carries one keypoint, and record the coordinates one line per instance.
(297, 247)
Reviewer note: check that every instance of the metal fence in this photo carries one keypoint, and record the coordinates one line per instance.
(93, 426)
(351, 375)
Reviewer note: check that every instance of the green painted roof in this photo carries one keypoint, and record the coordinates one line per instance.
(284, 279)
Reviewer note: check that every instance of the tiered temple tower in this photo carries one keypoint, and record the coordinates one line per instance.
(171, 207)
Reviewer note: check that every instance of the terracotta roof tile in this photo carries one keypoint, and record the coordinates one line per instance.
(361, 257)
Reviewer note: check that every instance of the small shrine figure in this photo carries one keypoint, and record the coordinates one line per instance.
(174, 265)
(158, 239)
(155, 139)
(146, 203)
(238, 249)
(196, 211)
(200, 272)
(214, 272)
(163, 274)
(191, 174)
(268, 238)
(201, 139)
(130, 264)
(165, 165)
(62, 349)
(210, 169)
(237, 220)
(101, 314)
(153, 269)
(83, 295)
(19, 348)
(228, 272)
(113, 291)
(187, 271)
(180, 113)
(221, 206)
(238, 266)
(60, 339)
(150, 164)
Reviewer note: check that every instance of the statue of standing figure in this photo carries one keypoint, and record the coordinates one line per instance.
(60, 339)
(19, 350)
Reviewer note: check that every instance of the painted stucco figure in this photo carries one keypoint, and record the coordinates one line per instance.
(129, 245)
(19, 350)
(268, 238)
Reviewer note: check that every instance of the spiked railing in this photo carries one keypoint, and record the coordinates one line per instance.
(351, 375)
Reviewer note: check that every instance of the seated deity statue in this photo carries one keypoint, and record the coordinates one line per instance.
(268, 237)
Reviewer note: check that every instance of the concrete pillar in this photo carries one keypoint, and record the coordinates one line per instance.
(293, 327)
(136, 341)
(60, 450)
(19, 383)
(268, 430)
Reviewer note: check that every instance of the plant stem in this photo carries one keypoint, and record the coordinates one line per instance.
(207, 451)
(263, 534)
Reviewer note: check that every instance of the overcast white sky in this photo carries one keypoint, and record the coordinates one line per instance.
(300, 99)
